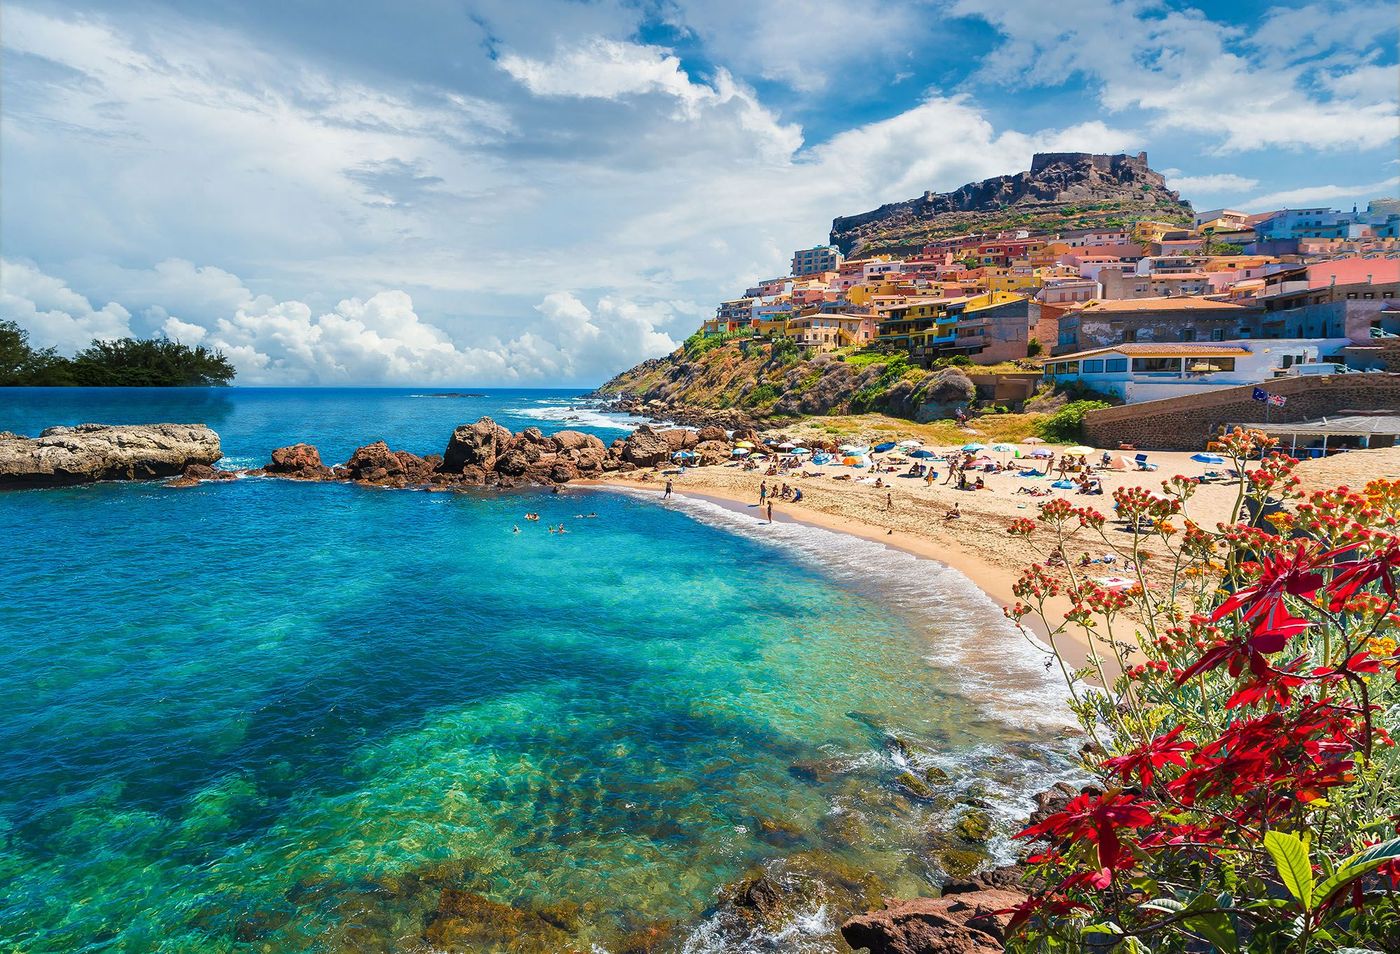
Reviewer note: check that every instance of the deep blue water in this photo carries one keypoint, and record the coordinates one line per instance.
(272, 716)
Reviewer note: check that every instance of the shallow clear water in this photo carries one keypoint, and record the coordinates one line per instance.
(263, 715)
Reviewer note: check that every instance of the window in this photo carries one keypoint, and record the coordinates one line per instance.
(1188, 334)
(1217, 334)
(1156, 365)
(1115, 365)
(1093, 366)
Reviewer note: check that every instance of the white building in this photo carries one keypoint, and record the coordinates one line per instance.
(1150, 372)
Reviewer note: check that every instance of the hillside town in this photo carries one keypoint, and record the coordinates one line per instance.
(1136, 312)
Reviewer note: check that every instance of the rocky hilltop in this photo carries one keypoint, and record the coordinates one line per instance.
(736, 383)
(62, 456)
(1061, 190)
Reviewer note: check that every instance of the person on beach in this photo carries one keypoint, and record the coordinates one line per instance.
(668, 489)
(763, 493)
(889, 501)
(953, 514)
(796, 494)
(770, 511)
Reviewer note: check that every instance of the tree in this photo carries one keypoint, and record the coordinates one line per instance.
(1034, 348)
(128, 362)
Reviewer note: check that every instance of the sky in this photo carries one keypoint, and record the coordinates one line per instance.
(541, 193)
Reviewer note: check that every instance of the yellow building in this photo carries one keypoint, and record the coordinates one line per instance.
(1148, 232)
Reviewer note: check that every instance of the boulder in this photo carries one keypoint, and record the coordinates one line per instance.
(535, 436)
(710, 433)
(577, 440)
(679, 438)
(646, 447)
(714, 452)
(957, 924)
(477, 445)
(90, 452)
(589, 460)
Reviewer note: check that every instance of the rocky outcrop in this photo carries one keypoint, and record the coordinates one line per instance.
(63, 456)
(298, 462)
(1058, 187)
(966, 923)
(487, 454)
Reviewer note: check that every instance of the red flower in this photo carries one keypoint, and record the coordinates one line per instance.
(1145, 760)
(1382, 566)
(1096, 818)
(1263, 601)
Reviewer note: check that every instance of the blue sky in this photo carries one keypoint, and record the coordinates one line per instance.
(534, 192)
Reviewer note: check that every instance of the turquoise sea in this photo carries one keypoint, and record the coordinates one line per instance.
(270, 716)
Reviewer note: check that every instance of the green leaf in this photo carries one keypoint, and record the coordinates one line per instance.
(1215, 927)
(1290, 854)
(1360, 864)
(1168, 905)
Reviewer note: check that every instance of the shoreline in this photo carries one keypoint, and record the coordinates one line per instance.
(993, 581)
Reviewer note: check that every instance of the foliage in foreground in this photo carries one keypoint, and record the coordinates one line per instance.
(1247, 787)
(128, 362)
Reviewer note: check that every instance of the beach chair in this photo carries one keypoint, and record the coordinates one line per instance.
(1142, 464)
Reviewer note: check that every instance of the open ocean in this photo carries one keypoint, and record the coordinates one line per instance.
(262, 715)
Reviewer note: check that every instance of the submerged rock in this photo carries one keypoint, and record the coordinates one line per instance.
(468, 922)
(62, 456)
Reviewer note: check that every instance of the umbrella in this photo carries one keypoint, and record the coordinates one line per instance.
(740, 451)
(799, 451)
(684, 455)
(1042, 454)
(748, 444)
(786, 445)
(973, 448)
(1208, 458)
(1079, 449)
(854, 449)
(887, 446)
(922, 454)
(1003, 448)
(910, 442)
(1032, 440)
(854, 461)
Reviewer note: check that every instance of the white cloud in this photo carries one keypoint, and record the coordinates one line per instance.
(1314, 195)
(1212, 184)
(1197, 75)
(54, 315)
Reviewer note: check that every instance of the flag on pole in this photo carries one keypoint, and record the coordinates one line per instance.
(1277, 400)
(1261, 395)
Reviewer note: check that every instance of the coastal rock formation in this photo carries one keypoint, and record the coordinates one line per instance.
(196, 474)
(298, 462)
(1061, 190)
(646, 447)
(966, 923)
(476, 445)
(63, 456)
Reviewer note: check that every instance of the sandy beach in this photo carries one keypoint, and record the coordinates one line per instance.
(909, 515)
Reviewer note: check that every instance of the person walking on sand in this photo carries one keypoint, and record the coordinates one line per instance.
(763, 493)
(889, 501)
(770, 511)
(668, 489)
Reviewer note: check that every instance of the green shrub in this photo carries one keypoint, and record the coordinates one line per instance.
(1066, 426)
(1034, 348)
(761, 396)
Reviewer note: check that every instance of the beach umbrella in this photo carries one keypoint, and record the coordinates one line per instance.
(1079, 449)
(1004, 448)
(924, 454)
(973, 447)
(1208, 458)
(887, 446)
(739, 452)
(1032, 440)
(854, 460)
(748, 444)
(684, 455)
(854, 449)
(910, 442)
(1041, 454)
(786, 445)
(800, 451)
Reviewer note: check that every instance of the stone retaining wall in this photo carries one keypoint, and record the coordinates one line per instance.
(1186, 423)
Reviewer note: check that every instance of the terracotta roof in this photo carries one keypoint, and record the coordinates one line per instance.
(1179, 303)
(1164, 350)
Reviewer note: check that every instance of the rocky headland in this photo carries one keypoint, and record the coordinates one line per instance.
(64, 456)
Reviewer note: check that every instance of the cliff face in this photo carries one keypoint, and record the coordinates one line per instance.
(1061, 190)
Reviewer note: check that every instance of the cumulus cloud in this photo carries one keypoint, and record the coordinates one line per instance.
(54, 315)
